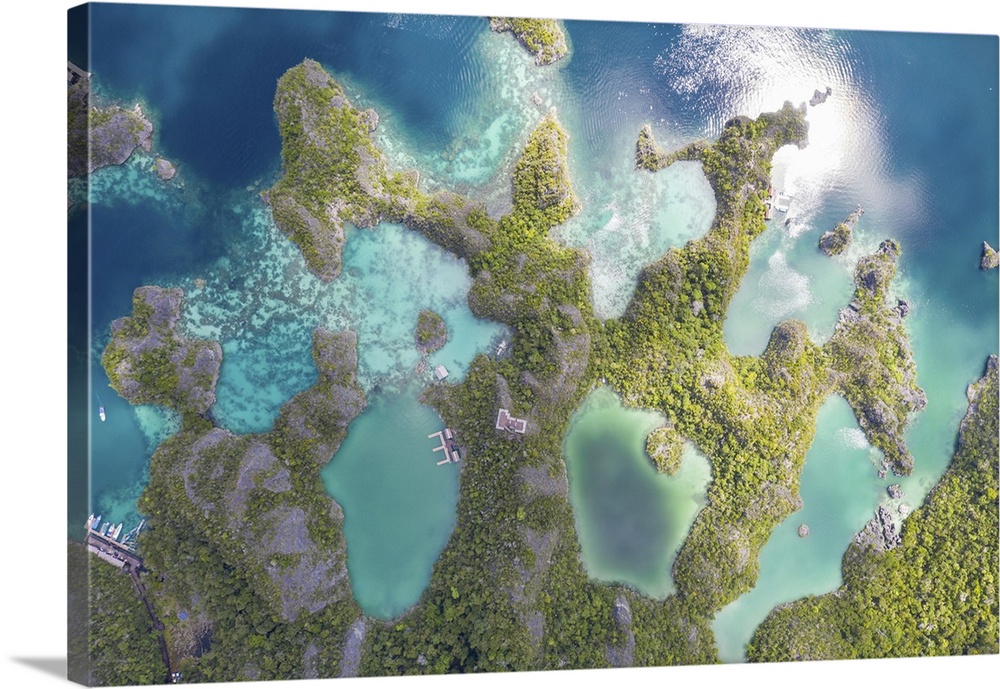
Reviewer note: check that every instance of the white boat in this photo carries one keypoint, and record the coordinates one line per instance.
(100, 412)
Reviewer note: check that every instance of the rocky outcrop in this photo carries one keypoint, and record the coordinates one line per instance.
(833, 242)
(989, 258)
(350, 666)
(115, 133)
(543, 38)
(872, 361)
(307, 576)
(149, 362)
(895, 492)
(820, 96)
(622, 655)
(803, 530)
(880, 534)
(165, 170)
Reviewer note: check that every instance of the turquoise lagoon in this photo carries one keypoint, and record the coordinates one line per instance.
(399, 503)
(839, 491)
(457, 102)
(630, 520)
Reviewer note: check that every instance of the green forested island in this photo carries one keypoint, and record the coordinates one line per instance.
(543, 38)
(934, 592)
(246, 555)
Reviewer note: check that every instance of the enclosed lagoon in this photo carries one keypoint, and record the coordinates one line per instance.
(399, 504)
(630, 520)
(840, 489)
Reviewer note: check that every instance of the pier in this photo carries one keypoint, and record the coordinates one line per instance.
(102, 541)
(448, 446)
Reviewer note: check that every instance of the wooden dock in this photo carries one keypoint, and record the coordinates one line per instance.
(448, 446)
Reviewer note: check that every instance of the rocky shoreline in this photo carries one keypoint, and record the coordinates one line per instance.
(989, 259)
(872, 359)
(835, 241)
(543, 38)
(148, 362)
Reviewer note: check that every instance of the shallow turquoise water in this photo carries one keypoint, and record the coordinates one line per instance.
(840, 490)
(399, 504)
(630, 520)
(263, 306)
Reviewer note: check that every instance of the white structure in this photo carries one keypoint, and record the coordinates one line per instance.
(441, 372)
(506, 422)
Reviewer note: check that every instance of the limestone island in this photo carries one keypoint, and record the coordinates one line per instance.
(99, 136)
(819, 97)
(872, 361)
(148, 362)
(242, 522)
(665, 447)
(833, 242)
(165, 170)
(543, 38)
(431, 333)
(989, 258)
(332, 172)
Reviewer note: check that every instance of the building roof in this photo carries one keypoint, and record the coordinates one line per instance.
(506, 422)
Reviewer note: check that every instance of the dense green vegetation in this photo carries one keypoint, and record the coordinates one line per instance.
(123, 646)
(432, 332)
(332, 173)
(665, 446)
(872, 362)
(509, 591)
(835, 241)
(935, 594)
(148, 362)
(543, 38)
(753, 417)
(245, 543)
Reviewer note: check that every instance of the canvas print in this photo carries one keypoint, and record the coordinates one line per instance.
(417, 344)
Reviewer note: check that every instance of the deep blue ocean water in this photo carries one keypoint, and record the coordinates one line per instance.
(910, 133)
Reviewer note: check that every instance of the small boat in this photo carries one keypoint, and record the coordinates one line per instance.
(100, 412)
